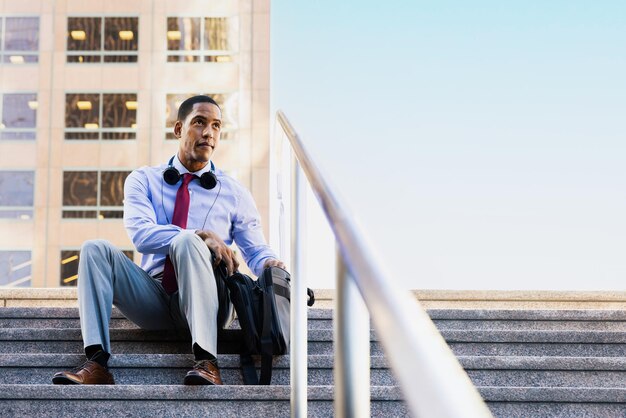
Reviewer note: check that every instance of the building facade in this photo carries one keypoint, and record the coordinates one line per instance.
(89, 91)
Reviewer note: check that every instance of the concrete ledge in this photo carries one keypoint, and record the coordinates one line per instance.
(38, 297)
(521, 299)
(432, 299)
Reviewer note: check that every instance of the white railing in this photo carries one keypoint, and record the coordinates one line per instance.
(432, 381)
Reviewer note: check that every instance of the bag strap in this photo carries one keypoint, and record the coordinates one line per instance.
(267, 347)
(248, 370)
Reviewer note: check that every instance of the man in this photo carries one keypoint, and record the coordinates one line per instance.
(181, 216)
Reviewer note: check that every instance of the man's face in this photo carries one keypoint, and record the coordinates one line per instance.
(199, 135)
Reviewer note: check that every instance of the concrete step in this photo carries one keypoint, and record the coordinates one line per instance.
(478, 342)
(530, 314)
(178, 401)
(238, 401)
(169, 369)
(548, 402)
(69, 318)
(445, 319)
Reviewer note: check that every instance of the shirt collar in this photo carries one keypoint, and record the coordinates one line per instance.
(182, 169)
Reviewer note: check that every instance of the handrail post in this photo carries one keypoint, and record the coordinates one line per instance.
(352, 348)
(298, 331)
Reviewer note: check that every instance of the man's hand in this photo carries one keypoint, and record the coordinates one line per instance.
(221, 250)
(272, 262)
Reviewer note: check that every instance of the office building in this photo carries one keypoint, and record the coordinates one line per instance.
(89, 91)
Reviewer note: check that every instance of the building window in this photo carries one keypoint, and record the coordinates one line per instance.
(196, 39)
(93, 194)
(19, 40)
(227, 103)
(17, 194)
(69, 265)
(94, 116)
(15, 268)
(102, 39)
(19, 116)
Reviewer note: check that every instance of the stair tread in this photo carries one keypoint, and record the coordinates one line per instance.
(523, 336)
(66, 313)
(265, 393)
(325, 313)
(160, 392)
(319, 361)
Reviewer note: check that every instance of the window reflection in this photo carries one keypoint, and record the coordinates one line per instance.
(119, 111)
(93, 194)
(183, 33)
(216, 33)
(69, 267)
(194, 39)
(15, 268)
(80, 188)
(20, 43)
(17, 194)
(97, 39)
(112, 188)
(92, 116)
(84, 33)
(19, 116)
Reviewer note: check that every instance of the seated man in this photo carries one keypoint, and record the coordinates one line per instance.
(181, 216)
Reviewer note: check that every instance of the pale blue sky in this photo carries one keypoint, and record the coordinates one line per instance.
(481, 144)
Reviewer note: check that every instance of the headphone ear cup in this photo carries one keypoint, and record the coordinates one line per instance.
(208, 180)
(171, 175)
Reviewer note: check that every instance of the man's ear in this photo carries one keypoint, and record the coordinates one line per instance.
(178, 127)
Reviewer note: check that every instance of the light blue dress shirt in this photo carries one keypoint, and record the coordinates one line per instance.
(227, 210)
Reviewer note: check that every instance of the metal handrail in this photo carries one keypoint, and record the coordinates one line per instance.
(432, 381)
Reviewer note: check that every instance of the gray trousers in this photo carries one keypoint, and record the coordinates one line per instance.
(106, 277)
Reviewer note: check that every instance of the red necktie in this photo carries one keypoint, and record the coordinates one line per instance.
(181, 211)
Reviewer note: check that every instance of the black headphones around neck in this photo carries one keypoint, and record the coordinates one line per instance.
(171, 175)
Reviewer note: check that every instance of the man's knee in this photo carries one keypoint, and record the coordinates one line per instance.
(95, 248)
(94, 254)
(185, 242)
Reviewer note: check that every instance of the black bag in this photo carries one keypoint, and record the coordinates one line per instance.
(222, 295)
(262, 307)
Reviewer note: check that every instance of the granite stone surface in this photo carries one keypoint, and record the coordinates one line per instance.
(179, 392)
(175, 409)
(170, 369)
(174, 376)
(319, 376)
(559, 395)
(528, 325)
(609, 337)
(161, 360)
(548, 378)
(538, 349)
(540, 363)
(552, 410)
(533, 314)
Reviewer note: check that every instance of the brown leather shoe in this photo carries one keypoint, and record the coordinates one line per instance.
(203, 373)
(90, 373)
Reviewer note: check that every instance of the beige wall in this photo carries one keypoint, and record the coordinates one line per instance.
(245, 156)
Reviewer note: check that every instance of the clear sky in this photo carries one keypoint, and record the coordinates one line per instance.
(481, 144)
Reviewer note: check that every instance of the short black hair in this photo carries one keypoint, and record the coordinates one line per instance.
(186, 106)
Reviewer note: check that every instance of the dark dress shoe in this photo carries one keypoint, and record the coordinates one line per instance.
(203, 373)
(90, 373)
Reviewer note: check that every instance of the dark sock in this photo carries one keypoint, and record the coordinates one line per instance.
(96, 353)
(201, 354)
